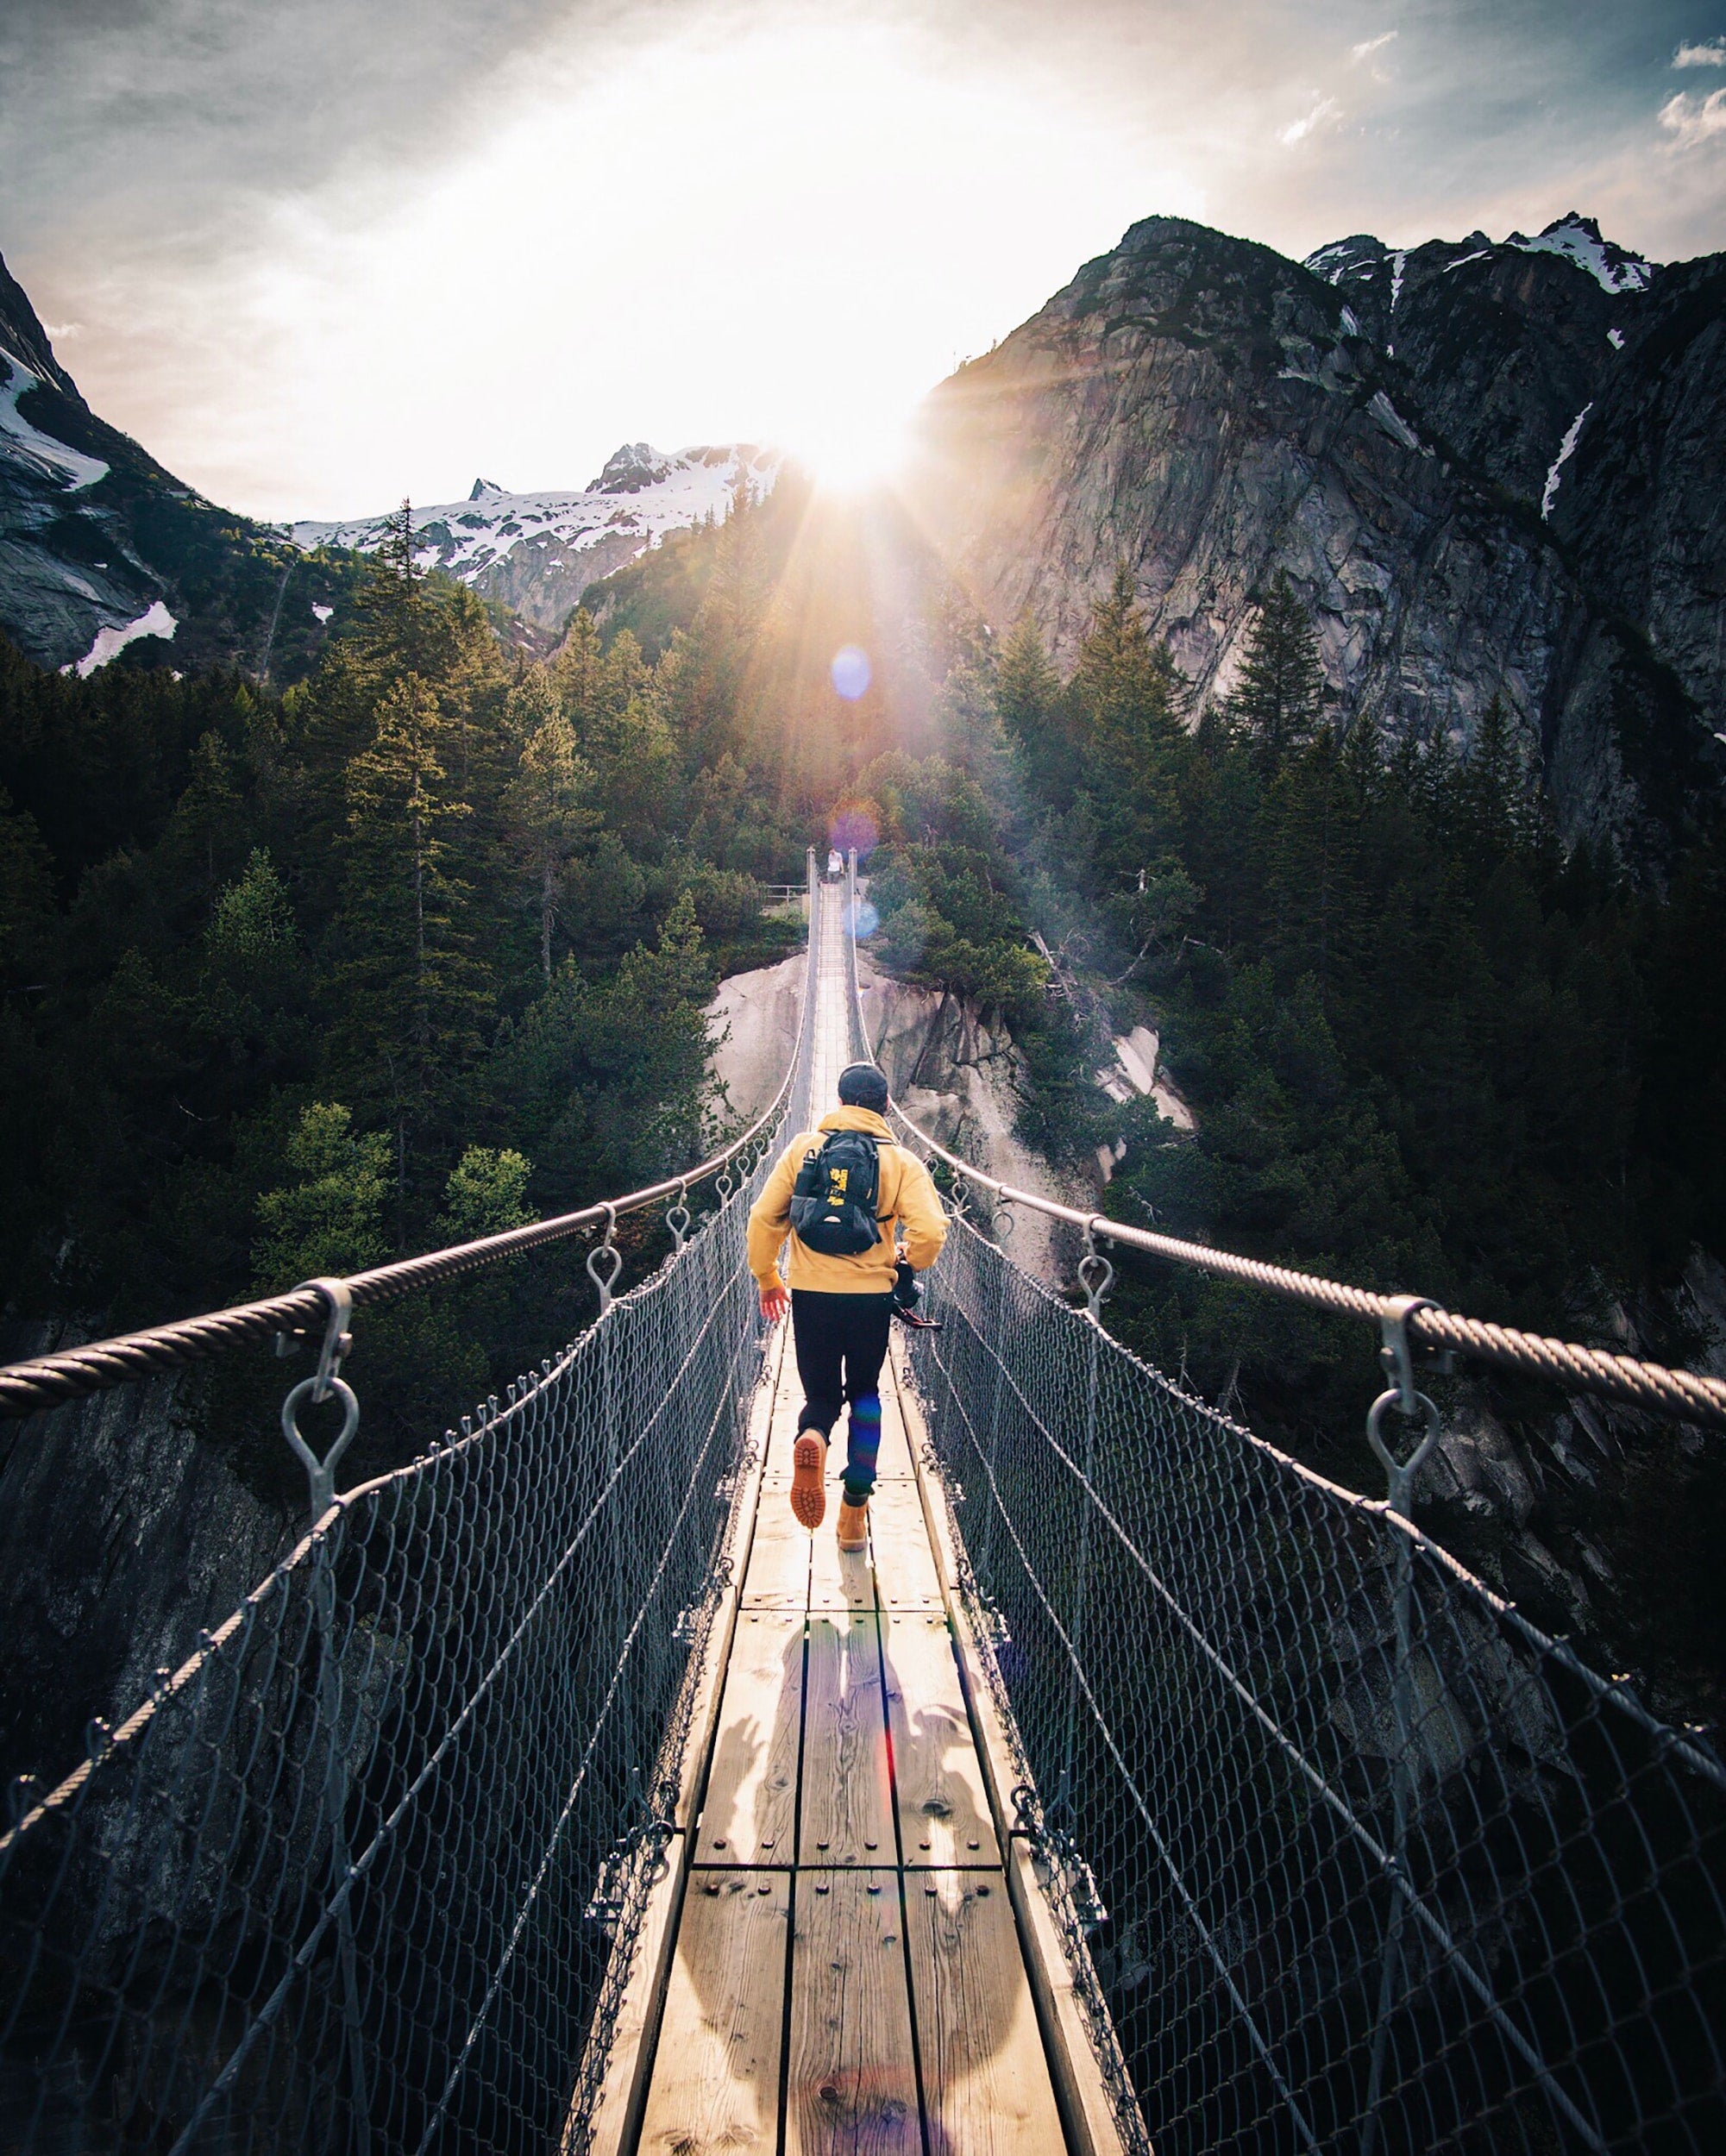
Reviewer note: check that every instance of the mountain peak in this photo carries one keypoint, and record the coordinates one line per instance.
(1579, 239)
(630, 468)
(23, 336)
(1361, 251)
(482, 488)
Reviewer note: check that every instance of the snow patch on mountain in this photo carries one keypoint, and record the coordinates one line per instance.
(155, 621)
(47, 458)
(539, 551)
(1579, 239)
(1567, 450)
(1362, 254)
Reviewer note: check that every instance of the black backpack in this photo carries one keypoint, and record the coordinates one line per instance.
(833, 1199)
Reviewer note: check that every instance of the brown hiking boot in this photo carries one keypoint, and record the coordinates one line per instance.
(808, 1472)
(853, 1526)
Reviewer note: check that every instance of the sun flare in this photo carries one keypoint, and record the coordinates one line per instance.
(853, 451)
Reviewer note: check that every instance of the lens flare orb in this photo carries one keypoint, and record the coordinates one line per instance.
(851, 673)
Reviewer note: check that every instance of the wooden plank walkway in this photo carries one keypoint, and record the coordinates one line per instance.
(847, 1953)
(847, 1973)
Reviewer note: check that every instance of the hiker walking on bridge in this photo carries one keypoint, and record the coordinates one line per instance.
(843, 1194)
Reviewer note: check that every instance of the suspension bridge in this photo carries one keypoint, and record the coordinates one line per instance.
(1136, 1787)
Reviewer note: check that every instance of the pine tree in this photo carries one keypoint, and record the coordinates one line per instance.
(1279, 699)
(1490, 804)
(1127, 689)
(578, 668)
(206, 835)
(972, 734)
(1027, 689)
(546, 813)
(1309, 839)
(410, 995)
(330, 1220)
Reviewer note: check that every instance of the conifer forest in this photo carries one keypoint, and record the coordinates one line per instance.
(298, 978)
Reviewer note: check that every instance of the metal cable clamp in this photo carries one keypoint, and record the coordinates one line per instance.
(1406, 1398)
(605, 1280)
(1096, 1277)
(325, 1383)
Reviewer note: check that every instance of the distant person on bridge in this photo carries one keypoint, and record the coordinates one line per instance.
(843, 1194)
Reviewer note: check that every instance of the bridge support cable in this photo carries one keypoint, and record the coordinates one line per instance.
(365, 1871)
(1364, 1859)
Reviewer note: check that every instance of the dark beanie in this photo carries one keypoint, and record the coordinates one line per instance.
(862, 1086)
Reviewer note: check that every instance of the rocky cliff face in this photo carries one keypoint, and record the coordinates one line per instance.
(1505, 345)
(101, 551)
(1384, 430)
(123, 1534)
(1642, 503)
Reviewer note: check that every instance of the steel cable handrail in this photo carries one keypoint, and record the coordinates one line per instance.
(48, 1380)
(1625, 1377)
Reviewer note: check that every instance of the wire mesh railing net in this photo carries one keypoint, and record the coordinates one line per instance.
(1363, 1860)
(365, 1873)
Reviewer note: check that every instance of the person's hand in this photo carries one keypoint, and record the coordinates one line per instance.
(774, 1302)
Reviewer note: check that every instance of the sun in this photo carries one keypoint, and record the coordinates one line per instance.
(851, 452)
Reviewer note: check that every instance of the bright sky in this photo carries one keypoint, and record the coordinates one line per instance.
(316, 254)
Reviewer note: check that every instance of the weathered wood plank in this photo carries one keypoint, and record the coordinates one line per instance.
(986, 2084)
(837, 1582)
(943, 1815)
(623, 2090)
(894, 1461)
(716, 2074)
(787, 1399)
(846, 1813)
(1081, 2088)
(750, 1812)
(851, 2087)
(778, 1574)
(905, 1576)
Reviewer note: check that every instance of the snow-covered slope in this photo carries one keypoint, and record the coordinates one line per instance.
(1579, 238)
(538, 552)
(102, 551)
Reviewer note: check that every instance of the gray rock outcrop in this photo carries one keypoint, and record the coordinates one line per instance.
(1211, 414)
(100, 548)
(122, 1535)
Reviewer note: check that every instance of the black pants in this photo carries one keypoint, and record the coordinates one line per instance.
(841, 1343)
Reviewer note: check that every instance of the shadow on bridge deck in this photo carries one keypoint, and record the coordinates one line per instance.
(846, 1969)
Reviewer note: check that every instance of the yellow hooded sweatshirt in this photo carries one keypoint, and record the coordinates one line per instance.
(905, 1198)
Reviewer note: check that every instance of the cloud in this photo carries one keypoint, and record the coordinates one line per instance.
(1710, 53)
(1693, 120)
(1325, 113)
(327, 253)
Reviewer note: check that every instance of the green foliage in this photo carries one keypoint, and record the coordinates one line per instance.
(486, 1195)
(1278, 699)
(603, 1077)
(545, 805)
(331, 1221)
(461, 894)
(252, 923)
(1425, 1050)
